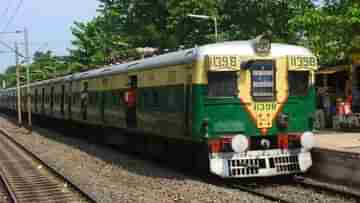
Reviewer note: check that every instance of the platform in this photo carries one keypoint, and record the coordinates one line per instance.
(336, 158)
(339, 141)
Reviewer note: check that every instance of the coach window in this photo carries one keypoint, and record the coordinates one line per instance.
(91, 99)
(42, 96)
(96, 95)
(74, 98)
(145, 99)
(156, 98)
(298, 82)
(172, 100)
(52, 97)
(62, 101)
(222, 84)
(97, 98)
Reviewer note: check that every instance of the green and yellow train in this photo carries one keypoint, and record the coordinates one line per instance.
(247, 106)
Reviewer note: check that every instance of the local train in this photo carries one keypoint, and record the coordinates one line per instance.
(237, 109)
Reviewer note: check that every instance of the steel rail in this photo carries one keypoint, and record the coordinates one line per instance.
(261, 194)
(303, 181)
(306, 184)
(89, 197)
(8, 189)
(296, 180)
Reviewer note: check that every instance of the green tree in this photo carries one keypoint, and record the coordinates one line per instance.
(45, 65)
(159, 23)
(249, 18)
(331, 30)
(87, 43)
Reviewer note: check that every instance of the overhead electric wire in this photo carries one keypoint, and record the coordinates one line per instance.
(14, 15)
(5, 12)
(11, 48)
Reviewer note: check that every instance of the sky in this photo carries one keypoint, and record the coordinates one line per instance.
(48, 23)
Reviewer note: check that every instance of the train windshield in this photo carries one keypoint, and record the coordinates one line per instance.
(263, 80)
(222, 84)
(298, 82)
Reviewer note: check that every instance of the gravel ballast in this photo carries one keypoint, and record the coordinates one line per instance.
(298, 193)
(114, 177)
(111, 176)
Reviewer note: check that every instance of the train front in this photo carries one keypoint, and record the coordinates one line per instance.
(256, 108)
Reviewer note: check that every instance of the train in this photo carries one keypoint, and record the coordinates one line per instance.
(236, 109)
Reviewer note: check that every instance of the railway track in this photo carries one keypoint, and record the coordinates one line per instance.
(295, 185)
(25, 178)
(5, 195)
(259, 193)
(291, 190)
(329, 188)
(298, 189)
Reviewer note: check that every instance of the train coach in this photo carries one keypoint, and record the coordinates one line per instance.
(237, 109)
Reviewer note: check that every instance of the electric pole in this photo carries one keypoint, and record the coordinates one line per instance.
(18, 93)
(27, 61)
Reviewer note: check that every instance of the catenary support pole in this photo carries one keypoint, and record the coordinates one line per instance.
(18, 93)
(27, 61)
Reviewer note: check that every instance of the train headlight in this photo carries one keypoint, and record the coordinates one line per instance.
(308, 140)
(240, 143)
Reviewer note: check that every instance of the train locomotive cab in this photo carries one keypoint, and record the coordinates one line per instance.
(257, 109)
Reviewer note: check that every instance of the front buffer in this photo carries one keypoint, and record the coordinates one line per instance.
(241, 163)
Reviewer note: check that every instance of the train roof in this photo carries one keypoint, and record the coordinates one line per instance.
(244, 48)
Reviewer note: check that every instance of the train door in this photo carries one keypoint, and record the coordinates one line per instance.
(102, 103)
(43, 100)
(69, 100)
(102, 106)
(131, 99)
(84, 100)
(52, 100)
(62, 101)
